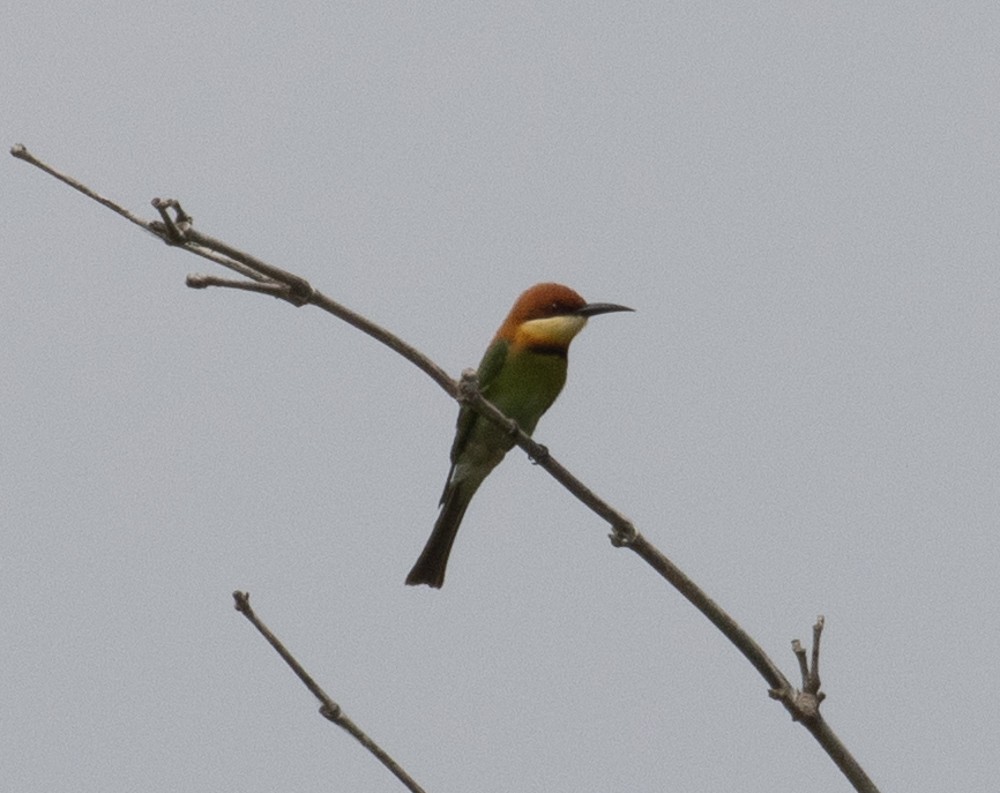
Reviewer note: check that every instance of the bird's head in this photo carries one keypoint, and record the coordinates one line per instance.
(550, 315)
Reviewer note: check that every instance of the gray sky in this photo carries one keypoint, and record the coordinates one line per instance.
(801, 202)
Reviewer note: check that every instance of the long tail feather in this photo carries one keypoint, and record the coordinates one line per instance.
(430, 567)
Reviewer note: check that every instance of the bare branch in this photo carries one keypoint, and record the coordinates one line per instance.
(804, 707)
(175, 228)
(329, 709)
(19, 151)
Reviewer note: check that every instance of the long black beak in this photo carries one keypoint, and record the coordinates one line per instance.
(592, 309)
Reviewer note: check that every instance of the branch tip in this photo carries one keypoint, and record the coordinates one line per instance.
(242, 602)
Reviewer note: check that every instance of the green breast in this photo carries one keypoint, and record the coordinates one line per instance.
(527, 384)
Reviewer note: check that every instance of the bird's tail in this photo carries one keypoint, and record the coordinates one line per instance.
(433, 560)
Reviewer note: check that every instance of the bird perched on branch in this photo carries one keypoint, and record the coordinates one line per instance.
(521, 373)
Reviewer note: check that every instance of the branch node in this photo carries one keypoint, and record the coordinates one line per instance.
(804, 704)
(330, 711)
(541, 451)
(299, 292)
(623, 534)
(175, 227)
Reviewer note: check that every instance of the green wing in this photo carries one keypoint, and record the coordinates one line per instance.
(488, 370)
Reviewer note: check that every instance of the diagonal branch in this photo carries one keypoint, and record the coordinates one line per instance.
(329, 709)
(175, 228)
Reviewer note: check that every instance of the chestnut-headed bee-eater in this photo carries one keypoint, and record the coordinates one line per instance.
(521, 373)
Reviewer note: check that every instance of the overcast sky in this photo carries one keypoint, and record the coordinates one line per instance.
(801, 202)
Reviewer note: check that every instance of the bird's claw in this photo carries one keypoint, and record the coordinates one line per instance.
(468, 385)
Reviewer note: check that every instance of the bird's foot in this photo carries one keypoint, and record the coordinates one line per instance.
(468, 386)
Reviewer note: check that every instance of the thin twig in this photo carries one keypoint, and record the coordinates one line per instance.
(19, 151)
(329, 709)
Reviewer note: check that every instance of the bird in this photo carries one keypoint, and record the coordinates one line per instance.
(522, 373)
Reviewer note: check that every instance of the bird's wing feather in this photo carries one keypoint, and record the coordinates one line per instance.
(489, 368)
